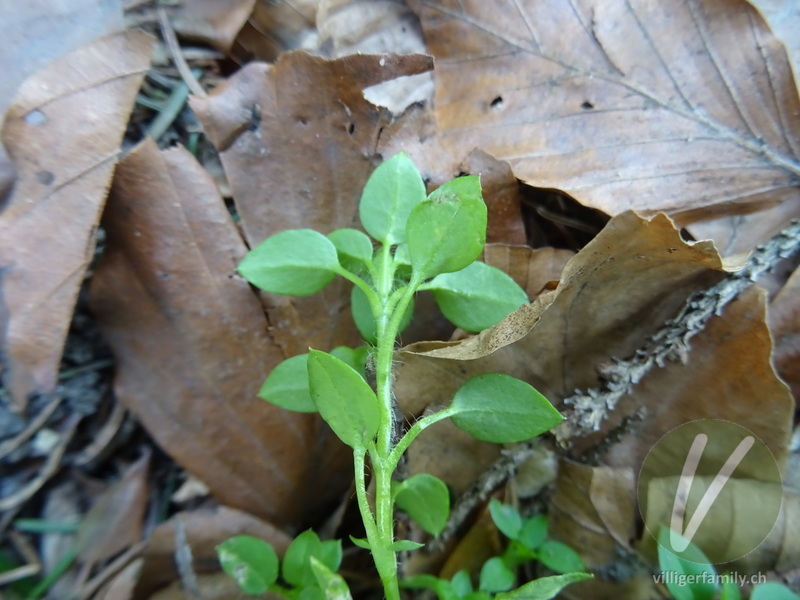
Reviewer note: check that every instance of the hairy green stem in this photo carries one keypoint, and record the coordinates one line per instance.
(413, 432)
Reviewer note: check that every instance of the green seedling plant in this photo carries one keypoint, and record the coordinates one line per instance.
(413, 242)
(528, 541)
(694, 577)
(307, 572)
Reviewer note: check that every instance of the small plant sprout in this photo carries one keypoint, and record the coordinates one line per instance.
(413, 242)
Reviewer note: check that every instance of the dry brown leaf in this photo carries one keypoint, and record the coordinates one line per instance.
(502, 196)
(583, 513)
(686, 108)
(217, 23)
(784, 321)
(193, 346)
(728, 375)
(613, 294)
(373, 27)
(204, 530)
(115, 520)
(62, 133)
(534, 270)
(274, 27)
(38, 31)
(297, 157)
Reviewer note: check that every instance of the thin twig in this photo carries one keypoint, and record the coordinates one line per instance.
(671, 343)
(50, 467)
(177, 56)
(503, 468)
(34, 425)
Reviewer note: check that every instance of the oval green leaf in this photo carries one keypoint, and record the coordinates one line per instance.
(559, 557)
(462, 583)
(252, 562)
(506, 518)
(700, 568)
(447, 231)
(534, 532)
(353, 247)
(343, 399)
(495, 576)
(773, 591)
(543, 588)
(476, 297)
(502, 409)
(297, 262)
(287, 385)
(393, 189)
(296, 568)
(331, 583)
(426, 500)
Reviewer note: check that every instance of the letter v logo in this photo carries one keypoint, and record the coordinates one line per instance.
(712, 484)
(681, 541)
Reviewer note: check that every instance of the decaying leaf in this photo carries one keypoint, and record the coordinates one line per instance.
(784, 321)
(116, 519)
(534, 270)
(215, 22)
(275, 27)
(297, 157)
(593, 509)
(62, 133)
(502, 196)
(612, 295)
(193, 345)
(687, 108)
(373, 27)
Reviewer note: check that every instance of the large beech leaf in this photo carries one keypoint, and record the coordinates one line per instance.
(62, 132)
(298, 157)
(192, 343)
(688, 108)
(502, 409)
(343, 398)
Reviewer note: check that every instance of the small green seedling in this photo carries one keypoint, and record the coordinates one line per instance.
(691, 576)
(413, 242)
(308, 570)
(528, 541)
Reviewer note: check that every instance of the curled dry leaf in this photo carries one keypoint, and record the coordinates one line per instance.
(193, 346)
(689, 109)
(296, 157)
(613, 294)
(62, 133)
